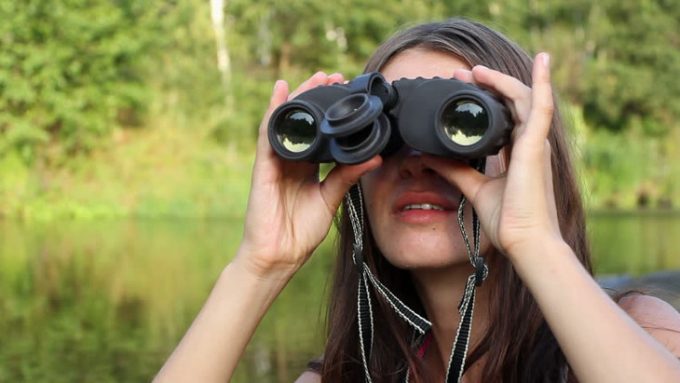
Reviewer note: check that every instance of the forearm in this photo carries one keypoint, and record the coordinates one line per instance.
(215, 342)
(601, 342)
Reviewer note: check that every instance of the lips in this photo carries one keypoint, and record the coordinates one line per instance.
(422, 202)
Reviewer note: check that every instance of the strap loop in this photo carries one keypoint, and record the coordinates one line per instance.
(481, 271)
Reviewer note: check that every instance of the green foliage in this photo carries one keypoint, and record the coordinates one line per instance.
(70, 70)
(314, 34)
(632, 66)
(77, 75)
(156, 173)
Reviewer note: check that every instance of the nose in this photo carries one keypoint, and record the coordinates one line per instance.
(412, 164)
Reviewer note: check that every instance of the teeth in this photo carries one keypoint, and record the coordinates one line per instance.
(422, 206)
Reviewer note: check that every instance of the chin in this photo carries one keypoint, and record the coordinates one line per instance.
(423, 251)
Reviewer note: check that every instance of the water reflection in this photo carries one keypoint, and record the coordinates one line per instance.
(635, 243)
(108, 301)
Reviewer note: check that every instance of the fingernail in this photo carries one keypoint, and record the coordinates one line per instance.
(479, 66)
(277, 84)
(545, 58)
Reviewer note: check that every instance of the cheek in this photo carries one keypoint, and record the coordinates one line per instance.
(374, 189)
(368, 191)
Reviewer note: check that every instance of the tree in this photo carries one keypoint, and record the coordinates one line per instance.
(71, 70)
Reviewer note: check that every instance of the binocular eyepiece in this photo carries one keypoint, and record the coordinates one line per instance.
(350, 123)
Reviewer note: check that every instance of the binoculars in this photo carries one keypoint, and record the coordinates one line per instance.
(350, 123)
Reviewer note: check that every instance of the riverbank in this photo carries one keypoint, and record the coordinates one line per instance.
(662, 284)
(160, 173)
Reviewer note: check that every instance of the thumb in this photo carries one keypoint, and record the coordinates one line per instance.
(457, 173)
(341, 178)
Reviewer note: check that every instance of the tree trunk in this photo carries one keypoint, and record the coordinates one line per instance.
(223, 62)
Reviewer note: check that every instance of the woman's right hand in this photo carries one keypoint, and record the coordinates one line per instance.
(289, 209)
(289, 214)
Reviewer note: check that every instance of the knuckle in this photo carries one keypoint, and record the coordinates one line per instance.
(549, 109)
(546, 108)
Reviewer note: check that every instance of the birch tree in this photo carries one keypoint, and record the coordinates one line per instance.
(223, 61)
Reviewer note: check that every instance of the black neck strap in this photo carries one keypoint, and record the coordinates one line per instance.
(355, 208)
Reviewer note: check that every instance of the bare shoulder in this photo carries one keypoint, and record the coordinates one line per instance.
(309, 377)
(659, 318)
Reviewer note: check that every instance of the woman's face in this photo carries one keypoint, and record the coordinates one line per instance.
(412, 210)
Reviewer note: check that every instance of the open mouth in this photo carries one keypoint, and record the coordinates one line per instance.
(423, 201)
(422, 206)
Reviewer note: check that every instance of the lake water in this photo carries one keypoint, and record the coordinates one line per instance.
(108, 301)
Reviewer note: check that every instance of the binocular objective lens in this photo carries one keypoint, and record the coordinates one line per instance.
(464, 121)
(296, 130)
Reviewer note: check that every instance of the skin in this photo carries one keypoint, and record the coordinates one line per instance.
(516, 207)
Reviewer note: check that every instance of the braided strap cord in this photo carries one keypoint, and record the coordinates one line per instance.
(355, 208)
(354, 203)
(456, 367)
(459, 349)
(460, 345)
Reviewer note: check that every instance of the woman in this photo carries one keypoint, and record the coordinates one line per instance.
(539, 316)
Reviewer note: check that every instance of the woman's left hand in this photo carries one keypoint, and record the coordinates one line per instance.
(518, 214)
(517, 207)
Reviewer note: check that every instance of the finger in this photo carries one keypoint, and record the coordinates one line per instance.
(459, 174)
(279, 96)
(463, 75)
(341, 178)
(336, 78)
(507, 86)
(542, 106)
(549, 184)
(319, 78)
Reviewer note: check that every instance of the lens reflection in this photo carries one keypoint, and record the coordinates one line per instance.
(356, 140)
(296, 130)
(464, 121)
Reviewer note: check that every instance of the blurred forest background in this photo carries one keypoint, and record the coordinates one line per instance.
(119, 109)
(125, 109)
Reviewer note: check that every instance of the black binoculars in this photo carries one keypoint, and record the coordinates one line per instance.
(350, 123)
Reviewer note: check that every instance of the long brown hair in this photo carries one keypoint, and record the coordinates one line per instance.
(518, 346)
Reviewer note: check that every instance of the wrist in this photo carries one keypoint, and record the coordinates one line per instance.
(541, 246)
(264, 266)
(544, 262)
